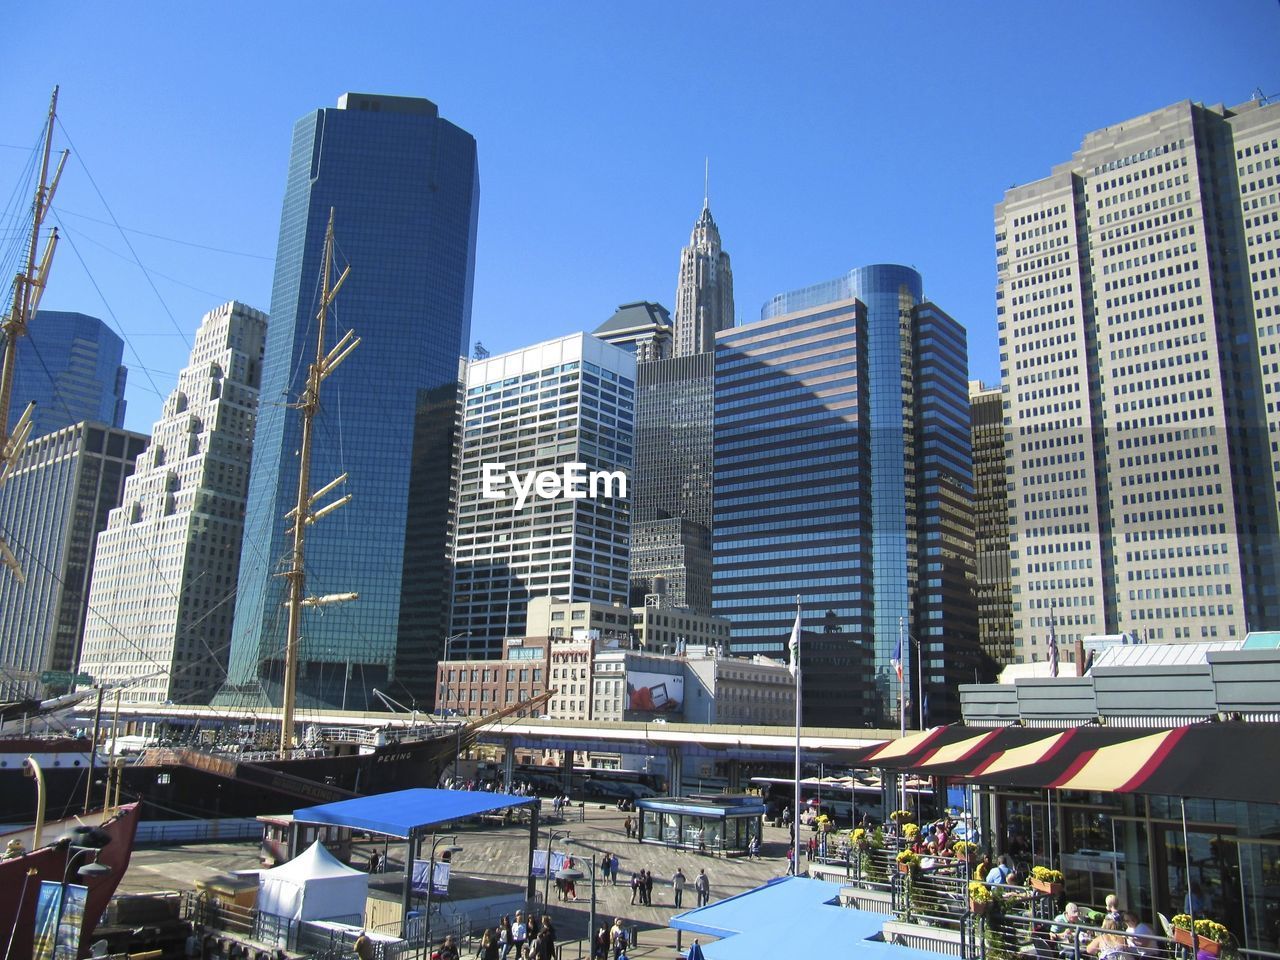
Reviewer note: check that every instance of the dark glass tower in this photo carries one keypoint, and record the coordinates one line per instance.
(404, 187)
(70, 366)
(841, 465)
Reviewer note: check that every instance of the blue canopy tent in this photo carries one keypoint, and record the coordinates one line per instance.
(411, 813)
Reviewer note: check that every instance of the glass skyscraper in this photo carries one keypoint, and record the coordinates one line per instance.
(70, 366)
(841, 464)
(404, 187)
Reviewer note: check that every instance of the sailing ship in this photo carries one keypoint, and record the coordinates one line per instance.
(201, 783)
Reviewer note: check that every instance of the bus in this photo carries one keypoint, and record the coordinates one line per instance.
(592, 783)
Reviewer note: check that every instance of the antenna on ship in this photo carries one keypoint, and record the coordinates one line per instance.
(28, 288)
(304, 513)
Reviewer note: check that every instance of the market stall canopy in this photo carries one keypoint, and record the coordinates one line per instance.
(404, 812)
(314, 885)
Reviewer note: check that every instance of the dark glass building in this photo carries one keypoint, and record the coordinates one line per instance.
(841, 468)
(404, 187)
(70, 365)
(991, 514)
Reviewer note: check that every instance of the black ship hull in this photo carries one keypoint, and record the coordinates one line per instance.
(176, 785)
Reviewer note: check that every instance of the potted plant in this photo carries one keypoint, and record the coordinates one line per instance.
(908, 862)
(980, 898)
(1047, 881)
(1212, 936)
(902, 816)
(964, 850)
(910, 832)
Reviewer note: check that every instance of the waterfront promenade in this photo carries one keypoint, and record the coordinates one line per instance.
(495, 852)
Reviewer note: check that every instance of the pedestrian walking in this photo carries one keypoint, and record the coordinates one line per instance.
(629, 826)
(613, 867)
(702, 885)
(677, 887)
(648, 888)
(753, 848)
(635, 886)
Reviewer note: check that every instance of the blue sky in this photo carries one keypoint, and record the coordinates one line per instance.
(839, 134)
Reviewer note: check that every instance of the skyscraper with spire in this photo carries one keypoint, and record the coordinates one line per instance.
(704, 294)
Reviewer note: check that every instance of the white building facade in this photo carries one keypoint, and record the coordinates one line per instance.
(166, 565)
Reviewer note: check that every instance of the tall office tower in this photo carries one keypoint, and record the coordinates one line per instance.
(991, 515)
(671, 499)
(164, 575)
(70, 365)
(843, 479)
(404, 187)
(642, 328)
(704, 294)
(533, 413)
(1135, 289)
(52, 509)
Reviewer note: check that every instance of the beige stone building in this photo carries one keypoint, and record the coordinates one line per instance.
(1139, 308)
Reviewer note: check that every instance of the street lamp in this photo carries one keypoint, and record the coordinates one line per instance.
(574, 874)
(431, 878)
(546, 870)
(81, 841)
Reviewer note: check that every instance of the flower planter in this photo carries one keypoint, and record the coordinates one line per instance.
(1044, 886)
(979, 907)
(905, 868)
(1211, 947)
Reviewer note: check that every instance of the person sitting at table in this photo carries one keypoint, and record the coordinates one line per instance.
(1063, 924)
(1110, 943)
(1142, 938)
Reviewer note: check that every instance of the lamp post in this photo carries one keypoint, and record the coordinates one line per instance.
(440, 708)
(574, 874)
(431, 878)
(546, 870)
(90, 840)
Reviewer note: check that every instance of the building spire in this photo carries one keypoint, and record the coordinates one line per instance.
(706, 183)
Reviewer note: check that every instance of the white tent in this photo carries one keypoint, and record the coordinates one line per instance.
(314, 885)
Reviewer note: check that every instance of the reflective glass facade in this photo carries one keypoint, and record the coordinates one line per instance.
(69, 364)
(403, 184)
(841, 439)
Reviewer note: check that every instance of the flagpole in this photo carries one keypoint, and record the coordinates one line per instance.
(902, 712)
(795, 819)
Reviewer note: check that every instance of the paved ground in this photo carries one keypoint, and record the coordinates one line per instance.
(500, 853)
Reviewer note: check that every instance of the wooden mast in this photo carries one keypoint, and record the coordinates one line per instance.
(28, 288)
(303, 514)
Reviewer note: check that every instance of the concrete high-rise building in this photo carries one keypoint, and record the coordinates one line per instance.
(403, 184)
(643, 328)
(991, 517)
(52, 508)
(164, 575)
(70, 365)
(534, 413)
(843, 478)
(1137, 304)
(704, 294)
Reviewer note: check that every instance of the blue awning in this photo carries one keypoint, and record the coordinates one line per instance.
(404, 812)
(791, 917)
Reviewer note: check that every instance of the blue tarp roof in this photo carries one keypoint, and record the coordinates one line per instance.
(791, 917)
(400, 813)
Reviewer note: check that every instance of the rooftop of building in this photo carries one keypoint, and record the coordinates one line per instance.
(640, 315)
(383, 103)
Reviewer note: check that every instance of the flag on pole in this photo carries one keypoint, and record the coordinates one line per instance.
(793, 645)
(1053, 647)
(897, 657)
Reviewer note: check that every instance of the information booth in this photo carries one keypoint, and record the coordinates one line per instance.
(712, 824)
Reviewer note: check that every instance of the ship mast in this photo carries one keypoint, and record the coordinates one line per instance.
(304, 513)
(28, 288)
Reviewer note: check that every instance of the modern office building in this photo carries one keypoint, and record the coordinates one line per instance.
(1137, 304)
(164, 575)
(403, 186)
(704, 293)
(70, 365)
(642, 328)
(543, 502)
(843, 481)
(52, 508)
(991, 523)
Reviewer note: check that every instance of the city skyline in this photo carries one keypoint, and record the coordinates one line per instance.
(196, 157)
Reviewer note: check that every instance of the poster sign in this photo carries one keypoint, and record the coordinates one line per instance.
(439, 882)
(59, 917)
(540, 863)
(652, 695)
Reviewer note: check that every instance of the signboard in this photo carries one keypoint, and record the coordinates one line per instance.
(64, 678)
(652, 695)
(439, 881)
(540, 863)
(59, 917)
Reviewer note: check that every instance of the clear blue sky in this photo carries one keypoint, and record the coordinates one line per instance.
(839, 134)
